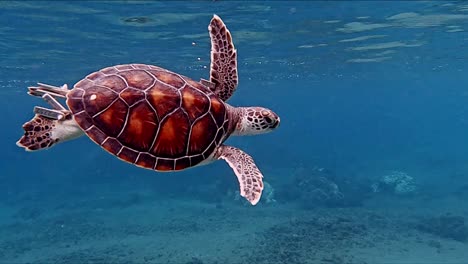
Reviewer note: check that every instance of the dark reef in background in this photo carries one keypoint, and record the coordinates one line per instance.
(318, 187)
(445, 226)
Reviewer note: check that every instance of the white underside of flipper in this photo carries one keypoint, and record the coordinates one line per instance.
(248, 175)
(42, 132)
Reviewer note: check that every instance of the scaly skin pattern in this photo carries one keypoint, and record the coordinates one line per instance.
(254, 120)
(247, 121)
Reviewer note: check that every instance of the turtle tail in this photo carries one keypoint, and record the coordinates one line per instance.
(42, 132)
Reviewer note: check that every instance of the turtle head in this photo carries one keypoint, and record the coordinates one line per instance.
(256, 120)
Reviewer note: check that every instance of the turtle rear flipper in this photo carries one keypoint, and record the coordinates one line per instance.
(248, 175)
(48, 126)
(43, 132)
(42, 89)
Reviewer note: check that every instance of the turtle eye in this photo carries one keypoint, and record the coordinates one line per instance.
(269, 121)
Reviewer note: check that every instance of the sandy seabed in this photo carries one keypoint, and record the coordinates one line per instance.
(138, 228)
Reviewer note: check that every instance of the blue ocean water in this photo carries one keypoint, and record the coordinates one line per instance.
(369, 165)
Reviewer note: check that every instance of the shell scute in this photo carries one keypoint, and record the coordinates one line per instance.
(124, 67)
(110, 70)
(194, 160)
(95, 76)
(77, 93)
(209, 150)
(75, 101)
(203, 133)
(182, 163)
(112, 120)
(172, 137)
(202, 88)
(163, 98)
(140, 131)
(194, 103)
(165, 164)
(128, 155)
(112, 82)
(141, 66)
(97, 99)
(79, 86)
(218, 110)
(146, 160)
(154, 67)
(138, 79)
(84, 120)
(169, 78)
(220, 134)
(131, 96)
(97, 135)
(112, 145)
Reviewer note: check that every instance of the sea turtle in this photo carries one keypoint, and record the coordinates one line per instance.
(155, 118)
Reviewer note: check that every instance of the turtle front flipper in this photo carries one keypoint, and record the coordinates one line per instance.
(223, 72)
(248, 175)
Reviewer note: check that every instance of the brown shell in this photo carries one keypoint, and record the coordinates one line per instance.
(149, 116)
